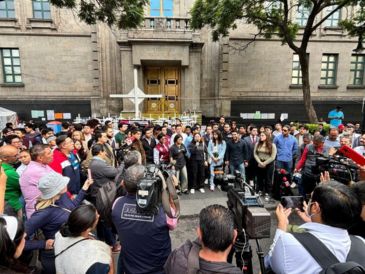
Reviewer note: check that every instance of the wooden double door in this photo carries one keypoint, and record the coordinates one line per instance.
(164, 81)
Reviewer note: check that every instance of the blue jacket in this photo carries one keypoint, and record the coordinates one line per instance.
(287, 147)
(145, 239)
(50, 220)
(221, 150)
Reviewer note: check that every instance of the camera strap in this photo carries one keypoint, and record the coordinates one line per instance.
(324, 257)
(170, 198)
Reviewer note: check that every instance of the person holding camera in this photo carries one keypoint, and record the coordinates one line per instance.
(332, 209)
(74, 240)
(144, 237)
(308, 161)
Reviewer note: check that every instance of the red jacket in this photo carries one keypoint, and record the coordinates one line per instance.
(62, 165)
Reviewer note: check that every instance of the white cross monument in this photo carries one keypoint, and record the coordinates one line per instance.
(136, 95)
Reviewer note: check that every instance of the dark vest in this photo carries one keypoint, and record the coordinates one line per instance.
(311, 158)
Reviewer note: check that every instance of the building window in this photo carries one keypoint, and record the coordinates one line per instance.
(296, 75)
(7, 9)
(41, 9)
(334, 19)
(302, 16)
(11, 65)
(161, 8)
(357, 70)
(329, 69)
(271, 6)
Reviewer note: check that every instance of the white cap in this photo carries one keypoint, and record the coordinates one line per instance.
(11, 225)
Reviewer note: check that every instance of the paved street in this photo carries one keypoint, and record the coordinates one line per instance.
(191, 206)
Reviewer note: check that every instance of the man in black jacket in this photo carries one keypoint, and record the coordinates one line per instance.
(102, 173)
(149, 144)
(236, 154)
(207, 255)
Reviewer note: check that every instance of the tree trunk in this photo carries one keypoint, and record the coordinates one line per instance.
(311, 113)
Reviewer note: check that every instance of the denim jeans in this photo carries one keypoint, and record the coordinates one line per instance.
(182, 176)
(211, 168)
(284, 165)
(239, 167)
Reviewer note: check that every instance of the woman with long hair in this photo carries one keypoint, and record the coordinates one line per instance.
(216, 150)
(178, 161)
(76, 249)
(79, 136)
(198, 159)
(52, 211)
(11, 245)
(265, 154)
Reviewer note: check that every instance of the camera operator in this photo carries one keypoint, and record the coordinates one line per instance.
(144, 237)
(333, 208)
(359, 228)
(361, 148)
(208, 254)
(308, 161)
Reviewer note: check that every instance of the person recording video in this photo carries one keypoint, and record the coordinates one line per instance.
(308, 161)
(332, 209)
(144, 237)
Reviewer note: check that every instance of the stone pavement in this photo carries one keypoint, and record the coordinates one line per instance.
(192, 204)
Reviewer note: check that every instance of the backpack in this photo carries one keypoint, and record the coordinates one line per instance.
(105, 197)
(355, 263)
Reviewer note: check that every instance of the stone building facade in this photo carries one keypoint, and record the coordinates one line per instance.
(59, 63)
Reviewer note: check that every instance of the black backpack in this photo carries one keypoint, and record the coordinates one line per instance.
(330, 265)
(104, 200)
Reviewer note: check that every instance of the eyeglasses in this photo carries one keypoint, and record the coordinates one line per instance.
(285, 130)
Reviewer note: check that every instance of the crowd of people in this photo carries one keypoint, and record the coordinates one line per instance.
(50, 183)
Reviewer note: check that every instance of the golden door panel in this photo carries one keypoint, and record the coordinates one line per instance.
(164, 81)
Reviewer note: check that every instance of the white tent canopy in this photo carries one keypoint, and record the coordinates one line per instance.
(7, 116)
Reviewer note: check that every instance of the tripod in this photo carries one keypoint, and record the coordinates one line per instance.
(243, 253)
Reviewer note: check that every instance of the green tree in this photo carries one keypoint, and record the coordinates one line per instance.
(122, 13)
(272, 18)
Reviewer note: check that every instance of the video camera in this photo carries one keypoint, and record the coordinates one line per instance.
(149, 191)
(248, 210)
(157, 188)
(340, 168)
(252, 221)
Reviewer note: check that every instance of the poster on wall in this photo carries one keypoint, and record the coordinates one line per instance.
(50, 115)
(37, 114)
(67, 116)
(58, 115)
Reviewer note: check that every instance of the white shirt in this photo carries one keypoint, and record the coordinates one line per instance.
(287, 255)
(360, 150)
